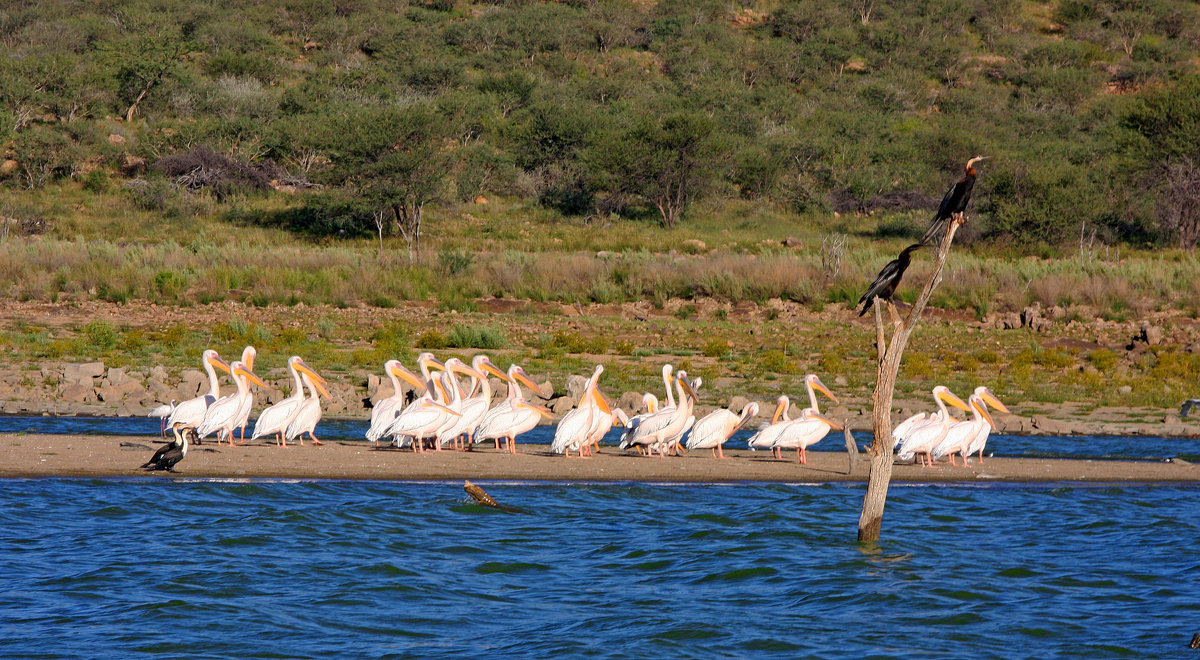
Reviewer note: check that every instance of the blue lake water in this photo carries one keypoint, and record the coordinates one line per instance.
(214, 569)
(1144, 448)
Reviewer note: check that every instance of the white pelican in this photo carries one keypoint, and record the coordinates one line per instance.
(673, 444)
(576, 426)
(716, 427)
(803, 432)
(423, 417)
(514, 421)
(190, 413)
(221, 416)
(811, 426)
(654, 431)
(977, 443)
(162, 413)
(766, 435)
(515, 374)
(922, 439)
(243, 414)
(385, 411)
(274, 419)
(309, 412)
(474, 406)
(456, 400)
(960, 435)
(600, 430)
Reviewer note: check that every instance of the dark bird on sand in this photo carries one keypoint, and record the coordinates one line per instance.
(1187, 406)
(954, 203)
(888, 279)
(169, 454)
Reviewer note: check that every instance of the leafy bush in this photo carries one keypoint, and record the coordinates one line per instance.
(431, 340)
(475, 336)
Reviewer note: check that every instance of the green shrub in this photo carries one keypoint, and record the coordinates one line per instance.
(716, 347)
(474, 336)
(431, 340)
(1103, 360)
(100, 335)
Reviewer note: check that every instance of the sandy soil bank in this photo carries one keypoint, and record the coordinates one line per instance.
(92, 456)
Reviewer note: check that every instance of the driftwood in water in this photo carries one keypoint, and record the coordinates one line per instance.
(851, 447)
(480, 495)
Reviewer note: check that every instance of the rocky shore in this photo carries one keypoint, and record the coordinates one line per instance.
(92, 389)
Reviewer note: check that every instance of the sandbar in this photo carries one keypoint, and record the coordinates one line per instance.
(89, 456)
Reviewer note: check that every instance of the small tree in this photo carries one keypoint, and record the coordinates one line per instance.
(665, 161)
(143, 61)
(870, 521)
(399, 157)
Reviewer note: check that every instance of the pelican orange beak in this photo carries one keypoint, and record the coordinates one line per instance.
(687, 387)
(600, 402)
(441, 390)
(487, 366)
(520, 375)
(992, 401)
(982, 410)
(434, 363)
(820, 387)
(466, 370)
(832, 424)
(948, 397)
(401, 372)
(303, 367)
(542, 410)
(241, 369)
(435, 404)
(217, 362)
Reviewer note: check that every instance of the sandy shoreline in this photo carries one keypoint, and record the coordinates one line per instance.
(30, 456)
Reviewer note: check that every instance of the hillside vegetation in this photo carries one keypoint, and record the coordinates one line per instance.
(646, 112)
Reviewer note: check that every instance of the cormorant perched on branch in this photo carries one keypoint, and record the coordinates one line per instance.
(169, 454)
(954, 203)
(888, 279)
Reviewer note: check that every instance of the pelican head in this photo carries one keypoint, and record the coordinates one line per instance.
(750, 410)
(518, 374)
(942, 392)
(211, 357)
(429, 362)
(682, 379)
(483, 364)
(990, 399)
(815, 382)
(977, 403)
(398, 370)
(238, 368)
(458, 366)
(649, 403)
(300, 365)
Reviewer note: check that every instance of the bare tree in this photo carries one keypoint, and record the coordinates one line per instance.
(380, 217)
(870, 522)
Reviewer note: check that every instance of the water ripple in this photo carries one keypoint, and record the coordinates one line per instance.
(273, 569)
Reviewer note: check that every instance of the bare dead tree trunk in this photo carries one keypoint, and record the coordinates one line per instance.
(870, 521)
(380, 216)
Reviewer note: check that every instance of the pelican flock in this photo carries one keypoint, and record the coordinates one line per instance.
(450, 405)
